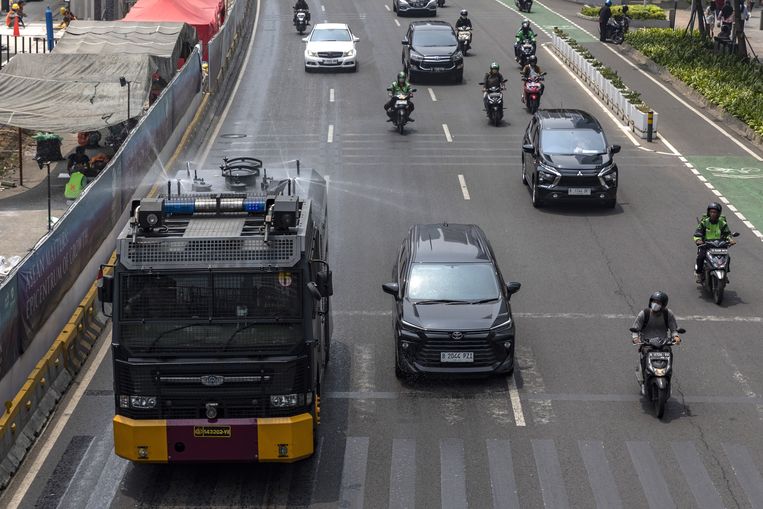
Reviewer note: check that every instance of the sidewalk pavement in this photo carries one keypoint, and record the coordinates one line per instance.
(752, 29)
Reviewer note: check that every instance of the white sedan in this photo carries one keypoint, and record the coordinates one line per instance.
(331, 46)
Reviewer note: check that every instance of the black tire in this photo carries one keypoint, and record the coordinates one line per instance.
(618, 38)
(399, 373)
(719, 286)
(496, 119)
(400, 124)
(536, 199)
(394, 8)
(533, 105)
(610, 204)
(355, 69)
(660, 401)
(307, 69)
(459, 77)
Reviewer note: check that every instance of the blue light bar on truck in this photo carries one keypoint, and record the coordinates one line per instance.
(189, 205)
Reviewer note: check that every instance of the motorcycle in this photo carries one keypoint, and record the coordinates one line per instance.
(617, 28)
(300, 20)
(494, 103)
(464, 39)
(523, 5)
(526, 49)
(716, 267)
(533, 89)
(399, 111)
(656, 369)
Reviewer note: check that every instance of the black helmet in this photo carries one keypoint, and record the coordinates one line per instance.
(464, 13)
(714, 206)
(533, 60)
(660, 298)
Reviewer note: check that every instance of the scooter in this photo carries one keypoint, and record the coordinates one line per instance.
(399, 111)
(656, 367)
(617, 28)
(464, 39)
(526, 49)
(716, 267)
(533, 90)
(300, 20)
(494, 103)
(523, 5)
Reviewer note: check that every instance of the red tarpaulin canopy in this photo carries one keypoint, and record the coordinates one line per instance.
(204, 15)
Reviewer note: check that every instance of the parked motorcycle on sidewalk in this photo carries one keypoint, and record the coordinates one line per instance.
(716, 267)
(464, 35)
(493, 100)
(656, 367)
(523, 5)
(301, 20)
(399, 113)
(533, 90)
(526, 49)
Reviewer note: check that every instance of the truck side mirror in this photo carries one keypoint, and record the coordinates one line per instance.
(325, 283)
(106, 289)
(314, 291)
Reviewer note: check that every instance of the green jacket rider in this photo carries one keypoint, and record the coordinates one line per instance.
(524, 32)
(712, 226)
(399, 86)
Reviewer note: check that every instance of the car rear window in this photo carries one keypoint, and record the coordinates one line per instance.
(330, 34)
(453, 281)
(572, 141)
(431, 38)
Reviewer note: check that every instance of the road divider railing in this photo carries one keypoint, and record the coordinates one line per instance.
(626, 104)
(25, 415)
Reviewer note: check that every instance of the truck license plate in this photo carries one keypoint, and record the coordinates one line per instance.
(456, 356)
(579, 191)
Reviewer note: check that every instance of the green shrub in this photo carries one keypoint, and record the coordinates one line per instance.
(634, 11)
(727, 81)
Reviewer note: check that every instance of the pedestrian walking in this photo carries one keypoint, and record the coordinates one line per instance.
(710, 20)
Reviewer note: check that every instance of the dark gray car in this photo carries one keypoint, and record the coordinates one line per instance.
(430, 48)
(452, 312)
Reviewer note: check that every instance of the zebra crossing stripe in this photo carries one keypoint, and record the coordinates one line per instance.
(502, 480)
(746, 473)
(550, 474)
(600, 475)
(352, 491)
(699, 481)
(402, 476)
(452, 475)
(651, 477)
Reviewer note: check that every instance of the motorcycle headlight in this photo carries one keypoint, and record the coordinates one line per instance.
(660, 371)
(350, 53)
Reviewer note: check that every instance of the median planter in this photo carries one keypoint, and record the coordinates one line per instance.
(650, 23)
(624, 103)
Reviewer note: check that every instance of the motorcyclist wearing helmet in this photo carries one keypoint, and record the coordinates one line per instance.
(524, 32)
(604, 14)
(463, 20)
(654, 321)
(301, 5)
(493, 78)
(712, 226)
(399, 86)
(532, 68)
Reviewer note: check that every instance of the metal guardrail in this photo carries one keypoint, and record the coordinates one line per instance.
(638, 120)
(11, 46)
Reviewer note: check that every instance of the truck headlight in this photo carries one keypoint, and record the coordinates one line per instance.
(287, 400)
(142, 402)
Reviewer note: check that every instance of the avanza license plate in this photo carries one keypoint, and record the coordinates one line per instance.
(456, 356)
(579, 191)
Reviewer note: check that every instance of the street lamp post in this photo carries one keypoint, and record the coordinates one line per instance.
(122, 82)
(41, 162)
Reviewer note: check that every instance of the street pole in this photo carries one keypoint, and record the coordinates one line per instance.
(128, 104)
(50, 224)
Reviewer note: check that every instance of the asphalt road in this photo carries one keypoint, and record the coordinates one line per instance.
(578, 435)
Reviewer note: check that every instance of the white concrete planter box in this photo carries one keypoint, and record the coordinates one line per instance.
(639, 122)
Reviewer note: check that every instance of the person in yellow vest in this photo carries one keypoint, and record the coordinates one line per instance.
(66, 17)
(15, 12)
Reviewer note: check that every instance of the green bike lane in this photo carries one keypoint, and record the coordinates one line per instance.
(734, 175)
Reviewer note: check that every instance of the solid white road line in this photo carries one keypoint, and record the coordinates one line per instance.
(396, 21)
(464, 190)
(601, 105)
(49, 437)
(241, 74)
(431, 94)
(666, 89)
(331, 95)
(516, 403)
(447, 133)
(330, 138)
